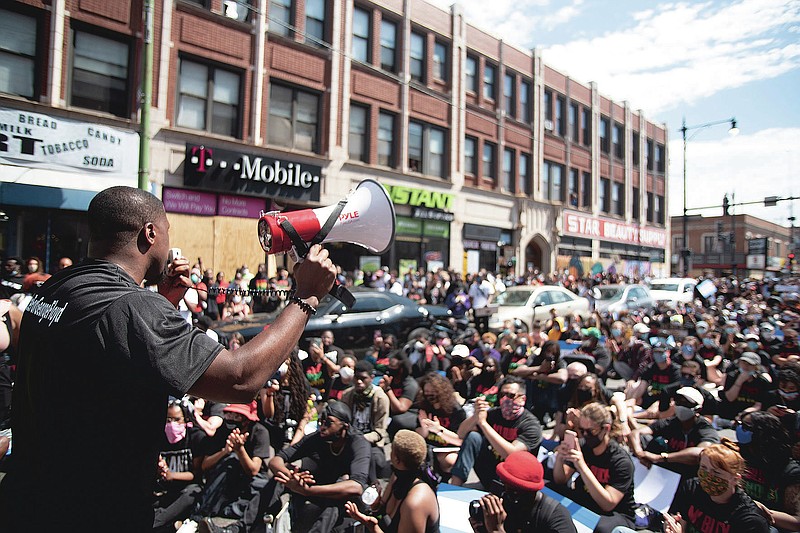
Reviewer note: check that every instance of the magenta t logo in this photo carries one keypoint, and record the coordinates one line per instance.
(201, 156)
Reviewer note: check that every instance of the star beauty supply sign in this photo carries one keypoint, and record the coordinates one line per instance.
(606, 229)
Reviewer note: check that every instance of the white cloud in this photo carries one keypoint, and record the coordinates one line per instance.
(679, 53)
(751, 166)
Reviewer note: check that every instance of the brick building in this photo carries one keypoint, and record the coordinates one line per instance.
(493, 159)
(721, 245)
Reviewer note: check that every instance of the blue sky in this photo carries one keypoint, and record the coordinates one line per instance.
(707, 61)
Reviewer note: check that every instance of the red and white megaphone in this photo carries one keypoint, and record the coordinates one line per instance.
(365, 217)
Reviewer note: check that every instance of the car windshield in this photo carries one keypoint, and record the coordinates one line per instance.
(671, 287)
(329, 305)
(512, 298)
(609, 293)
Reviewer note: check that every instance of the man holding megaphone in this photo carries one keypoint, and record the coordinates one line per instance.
(99, 356)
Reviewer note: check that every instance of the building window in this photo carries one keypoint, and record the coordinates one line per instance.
(677, 242)
(553, 181)
(561, 117)
(280, 16)
(649, 153)
(660, 158)
(572, 117)
(361, 27)
(635, 147)
(18, 54)
(524, 101)
(508, 170)
(426, 149)
(293, 118)
(649, 206)
(388, 45)
(488, 159)
(100, 74)
(386, 143)
(208, 99)
(635, 201)
(524, 174)
(417, 55)
(470, 164)
(617, 199)
(489, 76)
(604, 197)
(548, 110)
(509, 96)
(359, 127)
(586, 119)
(660, 210)
(440, 61)
(315, 22)
(710, 244)
(573, 187)
(470, 74)
(605, 145)
(586, 191)
(618, 139)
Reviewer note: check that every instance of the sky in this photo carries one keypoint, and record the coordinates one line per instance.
(703, 61)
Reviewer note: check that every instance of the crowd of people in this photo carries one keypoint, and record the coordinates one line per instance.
(349, 436)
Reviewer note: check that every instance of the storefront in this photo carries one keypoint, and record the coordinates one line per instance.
(485, 248)
(591, 244)
(214, 212)
(50, 169)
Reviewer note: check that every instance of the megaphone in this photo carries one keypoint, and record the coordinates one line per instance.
(365, 217)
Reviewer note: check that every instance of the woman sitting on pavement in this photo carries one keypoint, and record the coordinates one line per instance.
(439, 418)
(409, 501)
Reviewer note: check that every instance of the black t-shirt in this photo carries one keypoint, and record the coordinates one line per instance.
(405, 388)
(317, 375)
(671, 430)
(658, 380)
(614, 468)
(525, 428)
(450, 421)
(352, 460)
(11, 285)
(544, 515)
(98, 358)
(768, 485)
(702, 514)
(256, 445)
(750, 393)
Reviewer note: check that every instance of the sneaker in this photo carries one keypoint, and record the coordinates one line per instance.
(207, 525)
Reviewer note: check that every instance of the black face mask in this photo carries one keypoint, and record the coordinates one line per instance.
(584, 396)
(230, 425)
(593, 441)
(405, 478)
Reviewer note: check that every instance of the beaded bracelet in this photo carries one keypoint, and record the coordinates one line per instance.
(309, 309)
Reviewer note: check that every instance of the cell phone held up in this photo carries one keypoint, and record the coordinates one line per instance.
(174, 253)
(571, 439)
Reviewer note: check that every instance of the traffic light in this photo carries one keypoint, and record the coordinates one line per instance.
(725, 205)
(719, 231)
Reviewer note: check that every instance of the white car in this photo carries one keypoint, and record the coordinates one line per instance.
(673, 291)
(622, 298)
(527, 304)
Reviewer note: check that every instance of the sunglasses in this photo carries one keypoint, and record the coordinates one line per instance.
(511, 395)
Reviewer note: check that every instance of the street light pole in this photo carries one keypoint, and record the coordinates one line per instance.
(684, 128)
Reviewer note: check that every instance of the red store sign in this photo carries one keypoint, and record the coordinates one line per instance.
(606, 229)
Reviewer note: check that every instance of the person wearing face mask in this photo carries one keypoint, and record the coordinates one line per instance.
(745, 388)
(597, 358)
(401, 390)
(283, 405)
(769, 342)
(709, 351)
(605, 483)
(343, 379)
(544, 373)
(234, 467)
(675, 443)
(201, 292)
(421, 356)
(491, 434)
(370, 408)
(772, 476)
(485, 348)
(713, 501)
(788, 350)
(590, 389)
(235, 308)
(631, 355)
(439, 419)
(178, 484)
(335, 469)
(485, 384)
(658, 376)
(408, 502)
(522, 507)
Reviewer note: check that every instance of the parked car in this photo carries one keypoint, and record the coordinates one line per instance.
(619, 298)
(352, 328)
(527, 304)
(672, 291)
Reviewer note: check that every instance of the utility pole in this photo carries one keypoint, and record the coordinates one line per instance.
(147, 98)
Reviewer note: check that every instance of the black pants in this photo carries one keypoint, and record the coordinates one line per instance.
(167, 512)
(315, 515)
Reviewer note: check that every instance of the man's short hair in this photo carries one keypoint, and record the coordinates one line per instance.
(118, 213)
(511, 380)
(364, 366)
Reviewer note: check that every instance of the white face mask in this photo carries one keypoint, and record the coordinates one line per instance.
(237, 299)
(418, 346)
(346, 373)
